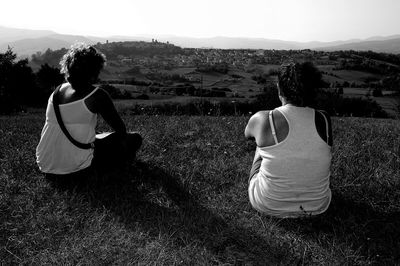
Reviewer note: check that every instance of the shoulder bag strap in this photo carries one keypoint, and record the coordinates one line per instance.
(78, 144)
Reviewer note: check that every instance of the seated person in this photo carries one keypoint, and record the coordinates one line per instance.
(291, 168)
(79, 103)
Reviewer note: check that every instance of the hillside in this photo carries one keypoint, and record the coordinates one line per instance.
(13, 34)
(20, 39)
(185, 201)
(163, 70)
(27, 47)
(380, 46)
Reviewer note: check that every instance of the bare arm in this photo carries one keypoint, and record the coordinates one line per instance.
(103, 105)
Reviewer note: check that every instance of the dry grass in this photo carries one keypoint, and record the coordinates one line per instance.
(185, 201)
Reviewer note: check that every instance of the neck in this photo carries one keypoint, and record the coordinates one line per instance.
(284, 101)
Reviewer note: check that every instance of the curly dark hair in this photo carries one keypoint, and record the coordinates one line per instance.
(82, 63)
(290, 83)
(299, 83)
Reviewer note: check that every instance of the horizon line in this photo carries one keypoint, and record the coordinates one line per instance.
(158, 35)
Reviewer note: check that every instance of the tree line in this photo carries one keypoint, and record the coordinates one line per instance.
(21, 87)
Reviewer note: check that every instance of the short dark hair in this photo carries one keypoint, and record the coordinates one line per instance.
(290, 83)
(81, 63)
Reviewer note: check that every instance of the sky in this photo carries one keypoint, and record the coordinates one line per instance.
(290, 20)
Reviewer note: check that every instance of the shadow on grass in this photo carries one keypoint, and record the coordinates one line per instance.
(149, 197)
(373, 234)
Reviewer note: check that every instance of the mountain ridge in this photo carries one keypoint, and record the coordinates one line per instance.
(26, 42)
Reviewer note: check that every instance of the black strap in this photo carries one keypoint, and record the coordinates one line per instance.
(78, 144)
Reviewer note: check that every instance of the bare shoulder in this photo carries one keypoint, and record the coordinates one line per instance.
(65, 86)
(65, 89)
(66, 94)
(258, 117)
(255, 123)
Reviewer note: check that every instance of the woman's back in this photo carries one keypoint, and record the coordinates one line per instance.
(294, 173)
(74, 110)
(55, 153)
(59, 150)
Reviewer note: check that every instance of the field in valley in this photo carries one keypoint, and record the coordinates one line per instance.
(246, 89)
(185, 200)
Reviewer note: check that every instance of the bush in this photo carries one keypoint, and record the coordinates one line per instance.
(333, 103)
(260, 79)
(222, 68)
(273, 72)
(337, 105)
(268, 100)
(143, 96)
(133, 70)
(210, 93)
(377, 92)
(116, 93)
(48, 78)
(17, 83)
(398, 106)
(236, 76)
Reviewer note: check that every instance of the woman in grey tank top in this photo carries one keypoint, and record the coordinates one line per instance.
(291, 168)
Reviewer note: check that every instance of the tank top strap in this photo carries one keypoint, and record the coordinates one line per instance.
(90, 94)
(326, 124)
(271, 123)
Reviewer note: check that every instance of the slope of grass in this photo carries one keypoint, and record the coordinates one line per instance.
(185, 200)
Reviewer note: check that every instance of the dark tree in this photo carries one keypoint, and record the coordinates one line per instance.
(17, 83)
(24, 83)
(377, 92)
(47, 79)
(392, 82)
(49, 57)
(6, 93)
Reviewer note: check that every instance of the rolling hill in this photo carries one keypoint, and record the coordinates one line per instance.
(381, 46)
(9, 35)
(26, 42)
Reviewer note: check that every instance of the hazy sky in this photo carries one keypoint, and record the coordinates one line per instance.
(295, 20)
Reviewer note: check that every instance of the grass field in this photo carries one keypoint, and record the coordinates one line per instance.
(346, 74)
(185, 200)
(388, 102)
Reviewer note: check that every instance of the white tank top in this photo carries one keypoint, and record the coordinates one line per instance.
(55, 154)
(294, 174)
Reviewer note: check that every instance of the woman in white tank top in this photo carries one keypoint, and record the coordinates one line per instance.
(291, 168)
(79, 103)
